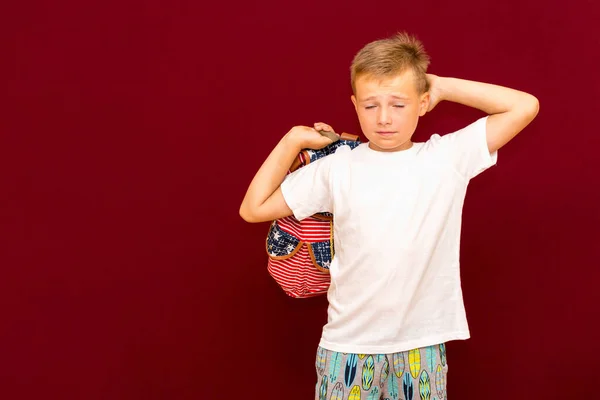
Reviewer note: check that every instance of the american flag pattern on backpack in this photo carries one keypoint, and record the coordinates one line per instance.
(300, 252)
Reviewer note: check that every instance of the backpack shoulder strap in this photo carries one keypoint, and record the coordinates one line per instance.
(303, 157)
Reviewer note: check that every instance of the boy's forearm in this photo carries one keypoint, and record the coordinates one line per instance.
(509, 110)
(269, 176)
(489, 98)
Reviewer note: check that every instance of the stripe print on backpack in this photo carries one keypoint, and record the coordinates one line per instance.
(300, 252)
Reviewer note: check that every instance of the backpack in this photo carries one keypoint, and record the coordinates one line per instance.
(300, 252)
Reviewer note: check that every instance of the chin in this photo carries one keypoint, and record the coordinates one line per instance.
(391, 145)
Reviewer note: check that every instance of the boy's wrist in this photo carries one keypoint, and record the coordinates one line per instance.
(441, 88)
(292, 142)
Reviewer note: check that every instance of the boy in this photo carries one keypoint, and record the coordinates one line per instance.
(395, 297)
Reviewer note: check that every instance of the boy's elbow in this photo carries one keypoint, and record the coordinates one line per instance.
(532, 107)
(247, 215)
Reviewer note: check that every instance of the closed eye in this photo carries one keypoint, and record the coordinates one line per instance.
(399, 105)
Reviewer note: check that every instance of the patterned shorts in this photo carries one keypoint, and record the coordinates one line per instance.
(418, 374)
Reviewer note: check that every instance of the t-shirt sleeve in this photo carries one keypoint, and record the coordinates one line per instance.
(467, 149)
(307, 190)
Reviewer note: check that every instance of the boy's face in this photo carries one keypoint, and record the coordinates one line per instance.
(388, 110)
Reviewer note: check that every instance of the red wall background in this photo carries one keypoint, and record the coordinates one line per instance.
(130, 131)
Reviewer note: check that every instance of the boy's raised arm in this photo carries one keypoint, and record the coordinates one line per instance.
(264, 200)
(510, 110)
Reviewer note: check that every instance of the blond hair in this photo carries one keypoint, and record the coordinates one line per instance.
(385, 58)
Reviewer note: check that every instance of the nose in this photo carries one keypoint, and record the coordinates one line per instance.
(383, 117)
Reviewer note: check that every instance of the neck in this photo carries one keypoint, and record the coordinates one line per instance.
(404, 146)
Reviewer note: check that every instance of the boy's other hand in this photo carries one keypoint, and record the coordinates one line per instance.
(304, 137)
(435, 94)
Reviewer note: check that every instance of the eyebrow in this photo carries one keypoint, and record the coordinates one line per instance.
(393, 96)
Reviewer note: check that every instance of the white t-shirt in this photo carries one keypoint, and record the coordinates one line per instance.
(395, 279)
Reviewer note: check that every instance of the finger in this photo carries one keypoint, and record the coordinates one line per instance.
(323, 127)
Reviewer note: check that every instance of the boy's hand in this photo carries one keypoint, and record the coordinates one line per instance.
(304, 137)
(435, 92)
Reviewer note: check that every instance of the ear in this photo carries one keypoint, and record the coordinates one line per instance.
(353, 98)
(424, 104)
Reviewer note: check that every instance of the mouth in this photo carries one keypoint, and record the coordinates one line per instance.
(385, 133)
